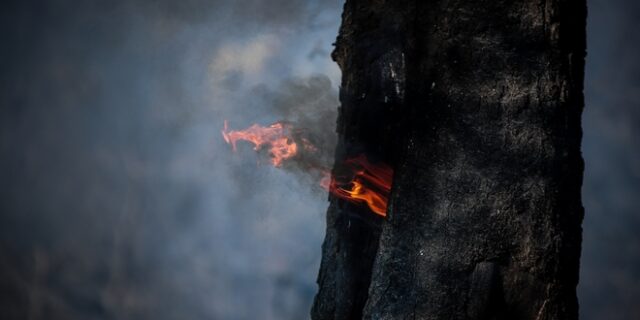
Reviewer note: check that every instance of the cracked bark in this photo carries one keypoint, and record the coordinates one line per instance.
(477, 105)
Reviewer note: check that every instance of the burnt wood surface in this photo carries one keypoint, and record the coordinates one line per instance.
(477, 106)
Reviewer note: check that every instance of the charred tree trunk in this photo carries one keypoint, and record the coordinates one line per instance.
(477, 105)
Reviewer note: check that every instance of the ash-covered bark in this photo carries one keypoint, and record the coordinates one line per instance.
(370, 53)
(477, 106)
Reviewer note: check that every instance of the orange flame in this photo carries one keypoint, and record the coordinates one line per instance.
(370, 184)
(276, 136)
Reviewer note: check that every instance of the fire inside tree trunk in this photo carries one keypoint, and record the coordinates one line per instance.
(476, 105)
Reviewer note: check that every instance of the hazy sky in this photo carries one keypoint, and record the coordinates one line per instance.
(119, 198)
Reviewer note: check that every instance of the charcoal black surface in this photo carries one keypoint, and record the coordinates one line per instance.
(477, 106)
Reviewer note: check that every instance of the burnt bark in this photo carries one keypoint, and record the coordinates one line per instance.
(476, 105)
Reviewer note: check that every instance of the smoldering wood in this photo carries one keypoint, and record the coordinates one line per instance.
(477, 105)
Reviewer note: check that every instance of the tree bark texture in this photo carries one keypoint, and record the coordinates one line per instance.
(477, 106)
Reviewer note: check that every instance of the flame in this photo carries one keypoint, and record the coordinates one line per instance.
(276, 136)
(370, 184)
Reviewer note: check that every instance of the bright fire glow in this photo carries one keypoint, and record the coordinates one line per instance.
(276, 137)
(370, 184)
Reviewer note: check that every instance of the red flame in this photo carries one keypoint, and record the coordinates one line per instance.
(276, 136)
(369, 183)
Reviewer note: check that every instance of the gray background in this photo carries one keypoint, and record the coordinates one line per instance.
(120, 200)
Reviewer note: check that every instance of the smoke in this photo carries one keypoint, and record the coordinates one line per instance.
(119, 199)
(306, 107)
(610, 265)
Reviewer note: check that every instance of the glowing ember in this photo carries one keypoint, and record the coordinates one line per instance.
(276, 137)
(370, 184)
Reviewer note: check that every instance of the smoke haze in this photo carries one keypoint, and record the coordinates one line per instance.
(119, 199)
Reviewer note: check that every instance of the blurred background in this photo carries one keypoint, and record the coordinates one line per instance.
(119, 199)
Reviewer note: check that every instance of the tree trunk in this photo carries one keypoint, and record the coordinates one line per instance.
(476, 105)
